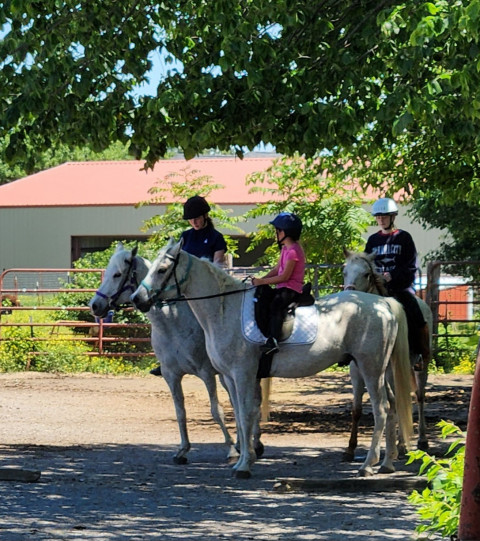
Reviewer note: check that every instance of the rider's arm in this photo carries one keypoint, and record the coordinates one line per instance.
(273, 278)
(219, 258)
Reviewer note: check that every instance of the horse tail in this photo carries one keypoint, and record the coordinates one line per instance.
(266, 384)
(402, 373)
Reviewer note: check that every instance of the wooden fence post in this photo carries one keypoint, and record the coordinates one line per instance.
(432, 295)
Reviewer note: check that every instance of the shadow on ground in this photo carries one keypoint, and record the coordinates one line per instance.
(120, 492)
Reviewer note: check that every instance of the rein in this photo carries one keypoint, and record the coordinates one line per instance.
(183, 298)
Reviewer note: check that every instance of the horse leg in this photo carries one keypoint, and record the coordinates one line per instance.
(421, 382)
(218, 413)
(391, 452)
(358, 388)
(378, 398)
(242, 391)
(257, 431)
(174, 382)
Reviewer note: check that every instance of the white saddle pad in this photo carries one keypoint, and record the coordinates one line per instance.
(304, 327)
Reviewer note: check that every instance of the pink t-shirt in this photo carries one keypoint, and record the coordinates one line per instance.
(295, 252)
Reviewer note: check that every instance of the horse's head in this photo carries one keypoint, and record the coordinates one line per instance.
(164, 277)
(119, 282)
(359, 273)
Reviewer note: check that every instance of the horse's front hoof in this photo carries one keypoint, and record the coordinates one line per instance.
(259, 449)
(348, 457)
(385, 469)
(365, 473)
(422, 445)
(242, 474)
(180, 460)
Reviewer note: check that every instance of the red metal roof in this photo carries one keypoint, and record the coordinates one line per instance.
(116, 183)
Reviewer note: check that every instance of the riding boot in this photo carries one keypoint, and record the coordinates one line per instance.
(157, 371)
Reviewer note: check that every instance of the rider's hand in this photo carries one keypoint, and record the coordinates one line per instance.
(387, 276)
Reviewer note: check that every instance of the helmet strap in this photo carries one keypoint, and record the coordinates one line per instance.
(280, 241)
(391, 225)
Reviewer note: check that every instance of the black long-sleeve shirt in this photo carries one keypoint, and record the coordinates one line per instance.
(394, 253)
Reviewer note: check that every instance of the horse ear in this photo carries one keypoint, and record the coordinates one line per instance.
(173, 247)
(371, 256)
(119, 247)
(346, 253)
(171, 242)
(135, 250)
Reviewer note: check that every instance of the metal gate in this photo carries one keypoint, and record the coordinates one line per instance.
(454, 303)
(34, 290)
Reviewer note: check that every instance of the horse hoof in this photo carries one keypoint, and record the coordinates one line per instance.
(242, 474)
(348, 457)
(365, 473)
(181, 460)
(384, 469)
(232, 460)
(259, 450)
(422, 445)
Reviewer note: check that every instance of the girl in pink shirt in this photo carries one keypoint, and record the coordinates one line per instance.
(287, 275)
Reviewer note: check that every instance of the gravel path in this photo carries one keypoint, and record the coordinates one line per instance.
(104, 447)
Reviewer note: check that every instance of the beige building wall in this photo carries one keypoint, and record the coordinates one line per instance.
(41, 237)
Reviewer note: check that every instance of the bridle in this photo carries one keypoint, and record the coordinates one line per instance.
(129, 283)
(372, 278)
(154, 294)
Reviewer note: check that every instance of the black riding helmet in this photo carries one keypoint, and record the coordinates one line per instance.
(194, 207)
(289, 223)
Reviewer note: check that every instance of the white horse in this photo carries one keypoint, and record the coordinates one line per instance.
(177, 340)
(367, 328)
(359, 274)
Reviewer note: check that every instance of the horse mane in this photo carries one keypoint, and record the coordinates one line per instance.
(378, 281)
(222, 278)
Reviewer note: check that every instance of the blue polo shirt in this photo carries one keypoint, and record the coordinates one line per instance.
(203, 242)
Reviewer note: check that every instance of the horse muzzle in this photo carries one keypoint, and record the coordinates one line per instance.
(141, 301)
(98, 307)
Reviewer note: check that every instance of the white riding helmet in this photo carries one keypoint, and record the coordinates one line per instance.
(385, 206)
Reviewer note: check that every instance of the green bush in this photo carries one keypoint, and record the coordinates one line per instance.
(15, 349)
(456, 353)
(126, 315)
(439, 503)
(58, 353)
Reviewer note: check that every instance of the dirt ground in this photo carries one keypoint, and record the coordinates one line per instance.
(104, 447)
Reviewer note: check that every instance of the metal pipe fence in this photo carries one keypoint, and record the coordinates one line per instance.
(454, 302)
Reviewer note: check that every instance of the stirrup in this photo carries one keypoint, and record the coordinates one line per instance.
(270, 347)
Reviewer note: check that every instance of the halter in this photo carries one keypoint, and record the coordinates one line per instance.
(154, 297)
(157, 292)
(131, 286)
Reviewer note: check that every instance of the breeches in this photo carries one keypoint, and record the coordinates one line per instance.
(283, 297)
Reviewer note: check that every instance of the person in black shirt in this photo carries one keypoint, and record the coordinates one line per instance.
(396, 260)
(202, 240)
